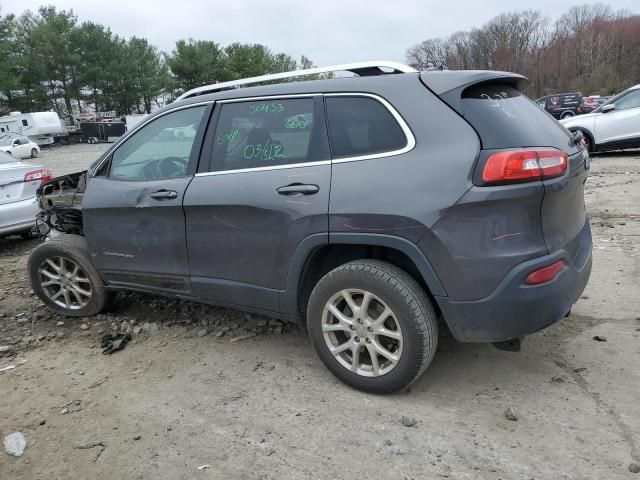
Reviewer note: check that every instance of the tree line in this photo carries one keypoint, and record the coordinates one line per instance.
(589, 48)
(51, 61)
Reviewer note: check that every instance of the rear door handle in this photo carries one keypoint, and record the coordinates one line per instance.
(296, 189)
(164, 195)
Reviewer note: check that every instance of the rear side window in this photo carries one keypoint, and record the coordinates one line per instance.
(362, 126)
(505, 118)
(268, 133)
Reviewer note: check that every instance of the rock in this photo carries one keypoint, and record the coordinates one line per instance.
(124, 326)
(137, 329)
(84, 326)
(274, 323)
(5, 348)
(262, 323)
(600, 338)
(59, 323)
(203, 333)
(511, 414)
(154, 327)
(408, 421)
(220, 333)
(634, 467)
(15, 443)
(137, 437)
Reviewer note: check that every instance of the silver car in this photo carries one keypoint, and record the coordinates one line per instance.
(18, 184)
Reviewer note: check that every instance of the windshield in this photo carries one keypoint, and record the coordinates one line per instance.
(613, 100)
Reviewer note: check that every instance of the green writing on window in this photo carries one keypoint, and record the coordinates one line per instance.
(293, 123)
(268, 151)
(273, 107)
(227, 137)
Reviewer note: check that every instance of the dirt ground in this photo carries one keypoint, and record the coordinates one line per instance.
(182, 401)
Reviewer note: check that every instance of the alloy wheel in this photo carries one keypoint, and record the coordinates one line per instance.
(65, 283)
(362, 333)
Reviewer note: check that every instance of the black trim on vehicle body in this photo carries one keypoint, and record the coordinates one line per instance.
(289, 297)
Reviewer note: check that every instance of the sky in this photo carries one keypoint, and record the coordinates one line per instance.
(326, 31)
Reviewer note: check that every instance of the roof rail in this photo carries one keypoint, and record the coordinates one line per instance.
(360, 68)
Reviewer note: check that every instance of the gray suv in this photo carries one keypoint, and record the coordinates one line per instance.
(362, 208)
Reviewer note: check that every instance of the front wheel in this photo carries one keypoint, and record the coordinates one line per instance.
(372, 326)
(64, 278)
(34, 153)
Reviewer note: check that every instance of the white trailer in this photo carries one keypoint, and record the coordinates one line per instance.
(40, 127)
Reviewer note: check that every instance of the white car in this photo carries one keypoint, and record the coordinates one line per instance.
(18, 184)
(612, 126)
(20, 147)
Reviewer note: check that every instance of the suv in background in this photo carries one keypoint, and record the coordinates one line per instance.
(562, 105)
(360, 208)
(613, 125)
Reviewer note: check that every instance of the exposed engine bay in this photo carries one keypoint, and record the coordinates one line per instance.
(60, 202)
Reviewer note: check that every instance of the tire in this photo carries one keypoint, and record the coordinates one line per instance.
(67, 251)
(412, 320)
(567, 115)
(34, 153)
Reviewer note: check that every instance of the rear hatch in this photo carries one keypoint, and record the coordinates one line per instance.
(506, 120)
(13, 173)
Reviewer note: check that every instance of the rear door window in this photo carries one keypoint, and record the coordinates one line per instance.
(505, 118)
(255, 134)
(361, 126)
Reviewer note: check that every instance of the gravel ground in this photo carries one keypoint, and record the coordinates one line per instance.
(183, 400)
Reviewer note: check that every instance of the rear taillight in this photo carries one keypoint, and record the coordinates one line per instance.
(41, 176)
(545, 274)
(524, 165)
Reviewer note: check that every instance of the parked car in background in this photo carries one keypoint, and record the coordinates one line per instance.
(562, 105)
(18, 184)
(613, 125)
(337, 204)
(589, 104)
(20, 147)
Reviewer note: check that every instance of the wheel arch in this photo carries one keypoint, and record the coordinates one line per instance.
(315, 256)
(586, 132)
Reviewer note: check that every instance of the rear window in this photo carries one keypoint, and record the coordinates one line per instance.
(362, 126)
(505, 118)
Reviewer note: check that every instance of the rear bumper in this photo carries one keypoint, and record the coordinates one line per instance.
(18, 216)
(514, 309)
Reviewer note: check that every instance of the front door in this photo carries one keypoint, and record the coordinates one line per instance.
(132, 208)
(622, 124)
(265, 190)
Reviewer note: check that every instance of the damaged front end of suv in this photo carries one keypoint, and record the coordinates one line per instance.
(60, 202)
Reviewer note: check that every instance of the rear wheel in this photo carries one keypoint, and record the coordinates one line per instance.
(567, 115)
(372, 326)
(64, 278)
(34, 153)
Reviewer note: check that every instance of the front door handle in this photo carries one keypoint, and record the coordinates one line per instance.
(296, 189)
(164, 195)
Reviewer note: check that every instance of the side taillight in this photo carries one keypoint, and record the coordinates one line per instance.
(524, 165)
(545, 274)
(42, 176)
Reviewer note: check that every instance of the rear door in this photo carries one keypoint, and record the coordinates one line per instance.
(132, 207)
(623, 123)
(265, 190)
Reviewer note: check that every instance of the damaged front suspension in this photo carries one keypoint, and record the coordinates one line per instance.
(60, 202)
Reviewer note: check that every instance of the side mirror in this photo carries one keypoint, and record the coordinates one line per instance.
(608, 108)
